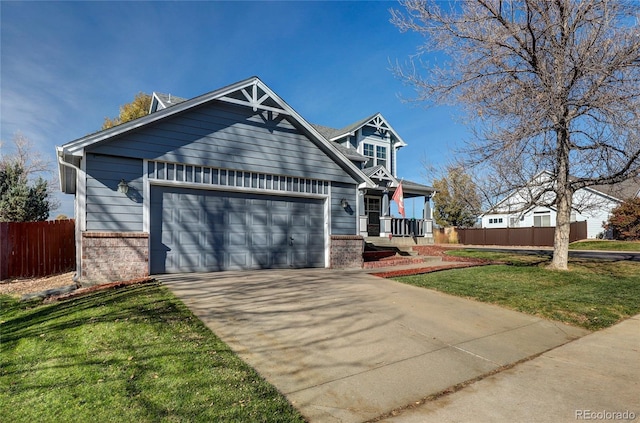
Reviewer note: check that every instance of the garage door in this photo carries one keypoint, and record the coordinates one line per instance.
(203, 231)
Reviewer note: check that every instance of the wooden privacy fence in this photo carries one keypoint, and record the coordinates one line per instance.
(533, 236)
(33, 249)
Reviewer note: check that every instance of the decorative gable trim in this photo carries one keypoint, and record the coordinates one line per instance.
(257, 98)
(380, 173)
(376, 121)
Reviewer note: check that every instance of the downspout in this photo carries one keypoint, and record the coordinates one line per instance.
(78, 234)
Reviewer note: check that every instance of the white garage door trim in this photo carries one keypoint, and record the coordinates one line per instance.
(257, 240)
(322, 185)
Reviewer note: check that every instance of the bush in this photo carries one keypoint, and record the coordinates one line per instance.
(625, 220)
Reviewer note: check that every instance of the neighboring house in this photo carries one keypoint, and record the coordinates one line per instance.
(232, 179)
(591, 204)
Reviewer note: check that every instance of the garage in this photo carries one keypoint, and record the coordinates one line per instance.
(195, 230)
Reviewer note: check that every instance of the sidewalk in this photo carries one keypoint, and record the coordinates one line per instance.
(595, 378)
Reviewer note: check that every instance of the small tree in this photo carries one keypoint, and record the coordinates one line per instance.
(24, 195)
(625, 220)
(456, 202)
(139, 107)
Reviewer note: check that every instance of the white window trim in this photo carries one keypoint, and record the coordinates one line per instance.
(376, 143)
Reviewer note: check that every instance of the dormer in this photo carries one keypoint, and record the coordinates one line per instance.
(161, 101)
(371, 138)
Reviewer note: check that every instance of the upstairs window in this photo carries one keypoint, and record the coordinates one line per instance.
(377, 155)
(368, 152)
(381, 156)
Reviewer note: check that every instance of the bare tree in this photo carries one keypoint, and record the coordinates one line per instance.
(547, 84)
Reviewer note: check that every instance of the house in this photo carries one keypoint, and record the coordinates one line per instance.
(591, 204)
(233, 179)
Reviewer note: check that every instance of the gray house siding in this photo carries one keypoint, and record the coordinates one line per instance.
(230, 137)
(343, 222)
(106, 208)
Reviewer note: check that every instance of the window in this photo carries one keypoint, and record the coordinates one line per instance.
(542, 220)
(495, 220)
(381, 155)
(368, 152)
(377, 155)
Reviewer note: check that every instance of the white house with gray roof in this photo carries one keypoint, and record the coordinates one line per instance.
(591, 204)
(229, 180)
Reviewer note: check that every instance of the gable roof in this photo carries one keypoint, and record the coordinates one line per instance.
(250, 92)
(622, 190)
(376, 120)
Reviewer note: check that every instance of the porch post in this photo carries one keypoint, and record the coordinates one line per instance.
(385, 203)
(428, 222)
(385, 219)
(362, 216)
(427, 208)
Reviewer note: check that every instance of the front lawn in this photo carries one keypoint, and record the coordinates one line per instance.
(135, 354)
(593, 294)
(606, 245)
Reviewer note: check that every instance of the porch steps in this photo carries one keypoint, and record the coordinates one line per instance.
(395, 261)
(383, 253)
(380, 247)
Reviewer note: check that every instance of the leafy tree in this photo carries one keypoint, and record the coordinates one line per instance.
(625, 220)
(20, 199)
(139, 107)
(456, 202)
(547, 85)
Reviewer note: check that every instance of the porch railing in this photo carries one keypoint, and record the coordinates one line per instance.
(411, 227)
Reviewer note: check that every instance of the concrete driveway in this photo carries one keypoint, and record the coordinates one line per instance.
(345, 346)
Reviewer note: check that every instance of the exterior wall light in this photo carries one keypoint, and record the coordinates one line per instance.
(123, 187)
(344, 203)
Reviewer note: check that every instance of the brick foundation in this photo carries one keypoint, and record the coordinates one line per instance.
(346, 251)
(114, 256)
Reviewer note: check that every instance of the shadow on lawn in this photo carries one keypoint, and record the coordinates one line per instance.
(158, 360)
(104, 306)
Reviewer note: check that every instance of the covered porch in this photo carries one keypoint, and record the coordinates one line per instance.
(376, 220)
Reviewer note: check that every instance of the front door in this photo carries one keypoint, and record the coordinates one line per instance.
(372, 207)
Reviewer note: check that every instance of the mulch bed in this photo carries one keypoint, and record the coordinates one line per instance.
(435, 251)
(84, 291)
(423, 270)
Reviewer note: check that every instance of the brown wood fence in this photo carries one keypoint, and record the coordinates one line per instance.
(33, 249)
(533, 236)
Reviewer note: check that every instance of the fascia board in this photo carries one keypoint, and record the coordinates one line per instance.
(602, 194)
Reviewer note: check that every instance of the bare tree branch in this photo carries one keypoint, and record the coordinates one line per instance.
(547, 86)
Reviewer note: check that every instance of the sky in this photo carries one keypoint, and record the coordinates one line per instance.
(65, 66)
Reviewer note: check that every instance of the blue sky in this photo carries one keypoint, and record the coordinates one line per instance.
(65, 66)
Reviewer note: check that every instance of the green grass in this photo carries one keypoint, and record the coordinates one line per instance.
(593, 294)
(502, 257)
(135, 354)
(606, 245)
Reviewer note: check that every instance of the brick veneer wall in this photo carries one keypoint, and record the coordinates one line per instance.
(114, 256)
(346, 251)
